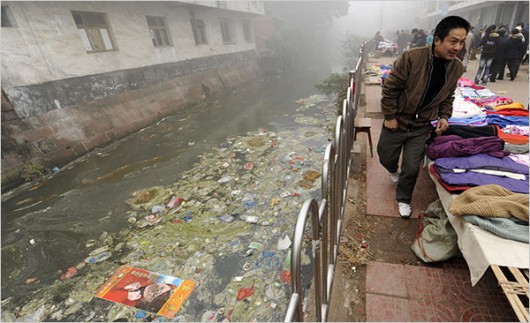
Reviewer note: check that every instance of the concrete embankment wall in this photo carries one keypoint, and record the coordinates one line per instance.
(70, 117)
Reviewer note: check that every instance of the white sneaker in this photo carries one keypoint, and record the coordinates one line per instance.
(404, 210)
(394, 176)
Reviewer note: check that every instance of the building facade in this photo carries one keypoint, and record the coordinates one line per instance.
(77, 75)
(478, 12)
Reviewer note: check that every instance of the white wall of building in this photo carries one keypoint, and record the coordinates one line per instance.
(46, 46)
(251, 6)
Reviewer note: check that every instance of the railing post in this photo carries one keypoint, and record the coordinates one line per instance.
(310, 205)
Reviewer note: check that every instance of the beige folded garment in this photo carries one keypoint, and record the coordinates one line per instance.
(491, 201)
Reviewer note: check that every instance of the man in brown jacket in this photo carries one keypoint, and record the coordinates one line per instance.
(418, 90)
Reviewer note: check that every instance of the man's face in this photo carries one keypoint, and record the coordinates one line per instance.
(451, 44)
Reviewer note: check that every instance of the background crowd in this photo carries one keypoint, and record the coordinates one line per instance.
(498, 45)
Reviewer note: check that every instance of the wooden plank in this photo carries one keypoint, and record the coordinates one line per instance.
(523, 282)
(512, 290)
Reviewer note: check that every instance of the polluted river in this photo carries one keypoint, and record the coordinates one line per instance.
(203, 202)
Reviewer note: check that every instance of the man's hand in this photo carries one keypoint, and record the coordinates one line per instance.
(391, 124)
(441, 126)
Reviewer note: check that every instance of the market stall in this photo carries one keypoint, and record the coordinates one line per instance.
(480, 170)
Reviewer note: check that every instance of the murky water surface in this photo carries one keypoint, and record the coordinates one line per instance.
(238, 170)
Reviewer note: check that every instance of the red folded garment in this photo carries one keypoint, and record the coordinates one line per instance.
(512, 139)
(454, 189)
(510, 112)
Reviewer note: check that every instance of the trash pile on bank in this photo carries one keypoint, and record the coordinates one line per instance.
(226, 225)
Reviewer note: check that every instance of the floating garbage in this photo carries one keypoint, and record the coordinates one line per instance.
(284, 243)
(174, 201)
(203, 227)
(245, 292)
(227, 218)
(275, 201)
(249, 204)
(99, 251)
(69, 273)
(248, 166)
(225, 179)
(157, 209)
(285, 194)
(251, 219)
(285, 276)
(255, 245)
(140, 314)
(98, 258)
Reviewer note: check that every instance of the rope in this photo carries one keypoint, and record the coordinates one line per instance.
(418, 235)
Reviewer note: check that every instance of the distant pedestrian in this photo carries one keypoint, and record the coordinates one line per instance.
(377, 39)
(489, 46)
(527, 40)
(513, 52)
(430, 38)
(413, 37)
(421, 40)
(474, 44)
(499, 60)
(467, 45)
(523, 28)
(402, 41)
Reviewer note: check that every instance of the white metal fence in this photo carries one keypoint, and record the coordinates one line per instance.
(327, 219)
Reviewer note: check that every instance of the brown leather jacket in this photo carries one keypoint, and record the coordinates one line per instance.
(407, 83)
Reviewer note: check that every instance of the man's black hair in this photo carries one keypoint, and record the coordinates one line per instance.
(448, 23)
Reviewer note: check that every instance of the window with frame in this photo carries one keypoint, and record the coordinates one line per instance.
(94, 31)
(158, 31)
(7, 17)
(227, 31)
(247, 31)
(199, 31)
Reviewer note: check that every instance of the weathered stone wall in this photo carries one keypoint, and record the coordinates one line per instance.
(88, 116)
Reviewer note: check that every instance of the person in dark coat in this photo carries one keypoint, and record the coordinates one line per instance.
(513, 52)
(422, 39)
(402, 41)
(377, 38)
(499, 61)
(489, 46)
(413, 37)
(523, 28)
(418, 90)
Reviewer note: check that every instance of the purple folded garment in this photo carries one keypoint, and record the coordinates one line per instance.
(476, 179)
(482, 161)
(456, 146)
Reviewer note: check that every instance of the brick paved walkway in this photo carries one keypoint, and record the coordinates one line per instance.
(439, 292)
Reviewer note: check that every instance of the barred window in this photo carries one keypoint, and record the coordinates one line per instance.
(94, 31)
(158, 31)
(227, 31)
(247, 32)
(7, 18)
(199, 31)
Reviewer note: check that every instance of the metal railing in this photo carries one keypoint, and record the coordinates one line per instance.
(327, 220)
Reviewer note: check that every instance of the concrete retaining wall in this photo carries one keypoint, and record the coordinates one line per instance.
(70, 117)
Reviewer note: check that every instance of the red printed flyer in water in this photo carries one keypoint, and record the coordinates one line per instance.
(146, 290)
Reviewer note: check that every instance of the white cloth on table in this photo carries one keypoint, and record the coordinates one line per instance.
(479, 247)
